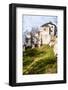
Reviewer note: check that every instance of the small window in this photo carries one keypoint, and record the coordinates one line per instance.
(45, 29)
(51, 26)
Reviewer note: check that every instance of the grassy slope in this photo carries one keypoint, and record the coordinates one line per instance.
(39, 61)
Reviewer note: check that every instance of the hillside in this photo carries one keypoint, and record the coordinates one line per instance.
(39, 60)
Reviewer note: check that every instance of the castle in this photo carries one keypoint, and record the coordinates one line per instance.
(46, 34)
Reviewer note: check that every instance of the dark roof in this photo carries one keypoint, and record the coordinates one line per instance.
(46, 24)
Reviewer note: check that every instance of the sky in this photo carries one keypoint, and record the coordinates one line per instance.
(29, 21)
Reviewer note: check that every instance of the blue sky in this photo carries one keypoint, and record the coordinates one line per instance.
(29, 21)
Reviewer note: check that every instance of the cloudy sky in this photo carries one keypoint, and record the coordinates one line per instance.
(29, 21)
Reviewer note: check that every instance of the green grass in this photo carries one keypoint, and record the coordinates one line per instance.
(39, 60)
